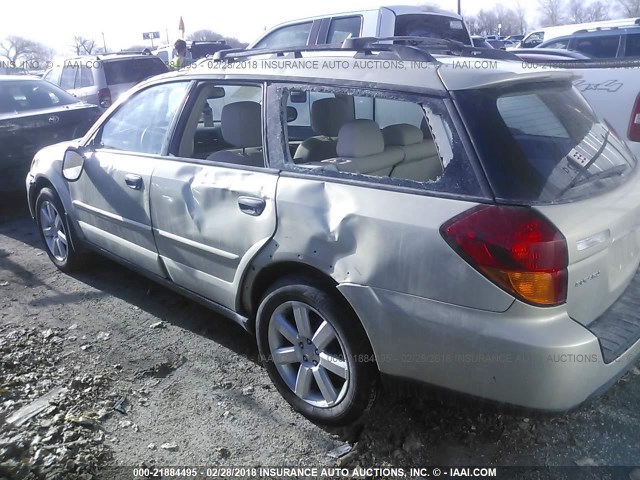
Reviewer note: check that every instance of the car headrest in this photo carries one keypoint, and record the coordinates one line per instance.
(402, 134)
(242, 124)
(328, 115)
(360, 138)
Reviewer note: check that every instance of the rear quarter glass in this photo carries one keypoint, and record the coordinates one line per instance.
(542, 143)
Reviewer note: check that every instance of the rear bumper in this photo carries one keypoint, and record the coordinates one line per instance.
(528, 357)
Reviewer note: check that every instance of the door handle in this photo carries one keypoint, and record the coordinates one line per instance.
(133, 181)
(251, 205)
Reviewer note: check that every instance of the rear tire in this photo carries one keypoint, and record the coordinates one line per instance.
(316, 352)
(59, 241)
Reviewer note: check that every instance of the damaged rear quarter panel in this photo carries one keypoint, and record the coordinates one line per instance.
(378, 238)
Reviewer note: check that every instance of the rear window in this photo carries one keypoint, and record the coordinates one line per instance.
(132, 70)
(432, 26)
(543, 144)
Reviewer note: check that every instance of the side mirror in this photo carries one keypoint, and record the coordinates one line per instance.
(72, 164)
(292, 114)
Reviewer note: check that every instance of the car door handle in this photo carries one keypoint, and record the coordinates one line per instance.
(251, 205)
(133, 181)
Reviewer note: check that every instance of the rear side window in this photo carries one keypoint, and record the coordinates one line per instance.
(561, 44)
(289, 36)
(432, 26)
(68, 77)
(543, 144)
(633, 46)
(343, 28)
(86, 77)
(132, 70)
(598, 47)
(377, 137)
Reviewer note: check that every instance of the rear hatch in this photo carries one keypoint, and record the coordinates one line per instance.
(122, 74)
(541, 145)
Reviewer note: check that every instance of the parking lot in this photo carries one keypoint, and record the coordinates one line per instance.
(196, 394)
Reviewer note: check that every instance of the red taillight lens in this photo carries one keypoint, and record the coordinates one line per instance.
(104, 97)
(516, 248)
(634, 122)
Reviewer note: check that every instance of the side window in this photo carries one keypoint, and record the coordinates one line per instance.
(599, 47)
(289, 36)
(68, 77)
(633, 46)
(53, 76)
(223, 124)
(380, 137)
(534, 39)
(561, 44)
(86, 77)
(342, 28)
(142, 123)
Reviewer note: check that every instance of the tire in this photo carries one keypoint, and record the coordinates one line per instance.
(316, 352)
(57, 237)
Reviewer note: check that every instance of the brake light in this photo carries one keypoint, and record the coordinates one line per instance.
(634, 122)
(516, 248)
(104, 97)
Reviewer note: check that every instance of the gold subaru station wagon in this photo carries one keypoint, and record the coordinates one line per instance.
(476, 229)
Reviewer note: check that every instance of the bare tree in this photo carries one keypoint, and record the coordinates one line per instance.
(19, 50)
(521, 13)
(211, 36)
(551, 12)
(597, 11)
(205, 36)
(85, 46)
(577, 11)
(629, 8)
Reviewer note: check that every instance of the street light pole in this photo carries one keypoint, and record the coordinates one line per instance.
(104, 43)
(459, 8)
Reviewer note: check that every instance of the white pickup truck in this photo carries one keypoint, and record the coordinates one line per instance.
(387, 21)
(612, 88)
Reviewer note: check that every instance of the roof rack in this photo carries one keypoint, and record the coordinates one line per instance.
(401, 48)
(435, 45)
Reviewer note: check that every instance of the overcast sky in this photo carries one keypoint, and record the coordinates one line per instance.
(123, 22)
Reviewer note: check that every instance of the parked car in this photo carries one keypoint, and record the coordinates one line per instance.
(34, 114)
(543, 55)
(498, 44)
(472, 228)
(480, 42)
(614, 42)
(380, 22)
(536, 37)
(101, 79)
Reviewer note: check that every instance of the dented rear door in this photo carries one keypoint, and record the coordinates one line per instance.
(209, 221)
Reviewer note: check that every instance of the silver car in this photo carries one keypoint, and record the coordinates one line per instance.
(101, 79)
(449, 220)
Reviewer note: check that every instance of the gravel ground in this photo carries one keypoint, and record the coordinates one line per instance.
(189, 390)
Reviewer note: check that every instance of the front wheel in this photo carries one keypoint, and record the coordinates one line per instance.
(55, 232)
(316, 352)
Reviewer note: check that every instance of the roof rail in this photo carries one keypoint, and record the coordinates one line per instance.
(402, 48)
(400, 52)
(435, 45)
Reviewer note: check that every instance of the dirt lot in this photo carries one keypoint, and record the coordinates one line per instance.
(196, 394)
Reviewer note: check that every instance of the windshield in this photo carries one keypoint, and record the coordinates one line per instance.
(133, 70)
(24, 95)
(543, 143)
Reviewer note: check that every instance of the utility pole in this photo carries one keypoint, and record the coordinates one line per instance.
(104, 43)
(459, 8)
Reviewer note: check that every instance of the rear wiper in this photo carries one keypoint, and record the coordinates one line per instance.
(610, 172)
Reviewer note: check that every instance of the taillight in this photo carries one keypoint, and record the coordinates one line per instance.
(104, 97)
(516, 248)
(634, 122)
